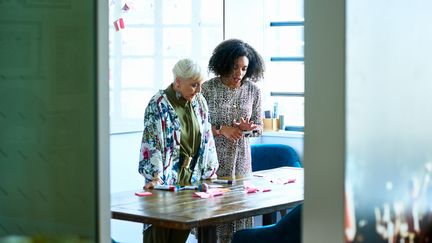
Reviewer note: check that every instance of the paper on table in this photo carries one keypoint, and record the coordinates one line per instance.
(251, 188)
(277, 180)
(210, 193)
(142, 194)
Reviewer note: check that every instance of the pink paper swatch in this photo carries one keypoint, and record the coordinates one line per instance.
(143, 194)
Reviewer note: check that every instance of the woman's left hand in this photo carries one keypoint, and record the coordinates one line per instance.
(245, 124)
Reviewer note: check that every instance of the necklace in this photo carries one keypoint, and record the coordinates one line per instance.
(231, 101)
(227, 83)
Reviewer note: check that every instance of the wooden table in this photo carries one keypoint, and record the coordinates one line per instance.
(181, 210)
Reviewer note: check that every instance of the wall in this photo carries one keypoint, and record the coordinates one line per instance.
(324, 141)
(124, 157)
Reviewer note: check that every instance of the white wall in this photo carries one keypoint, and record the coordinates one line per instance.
(124, 159)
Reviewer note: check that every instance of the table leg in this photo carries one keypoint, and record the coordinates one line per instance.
(269, 218)
(207, 234)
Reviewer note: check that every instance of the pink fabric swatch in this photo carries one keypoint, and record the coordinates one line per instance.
(142, 194)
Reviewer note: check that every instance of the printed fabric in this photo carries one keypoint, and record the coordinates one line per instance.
(160, 145)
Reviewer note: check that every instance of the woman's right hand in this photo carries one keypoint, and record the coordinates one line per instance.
(231, 133)
(153, 183)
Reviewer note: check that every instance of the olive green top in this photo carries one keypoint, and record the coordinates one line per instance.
(190, 137)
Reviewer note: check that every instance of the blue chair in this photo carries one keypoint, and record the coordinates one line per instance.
(269, 156)
(288, 230)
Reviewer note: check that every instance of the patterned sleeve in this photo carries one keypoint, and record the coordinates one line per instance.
(205, 91)
(257, 114)
(151, 158)
(204, 88)
(210, 161)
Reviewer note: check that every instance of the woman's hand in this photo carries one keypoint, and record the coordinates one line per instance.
(245, 124)
(154, 182)
(232, 133)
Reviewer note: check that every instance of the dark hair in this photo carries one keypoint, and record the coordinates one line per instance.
(224, 55)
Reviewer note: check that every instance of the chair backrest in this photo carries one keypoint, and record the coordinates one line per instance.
(269, 156)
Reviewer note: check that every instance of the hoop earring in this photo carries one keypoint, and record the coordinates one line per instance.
(178, 95)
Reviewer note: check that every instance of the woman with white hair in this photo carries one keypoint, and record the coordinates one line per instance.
(177, 145)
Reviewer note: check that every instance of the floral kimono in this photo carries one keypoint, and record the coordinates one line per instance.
(160, 146)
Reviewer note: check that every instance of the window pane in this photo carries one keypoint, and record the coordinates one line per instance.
(137, 73)
(138, 41)
(204, 63)
(284, 10)
(284, 77)
(111, 74)
(288, 41)
(111, 41)
(112, 106)
(156, 35)
(167, 76)
(133, 103)
(292, 108)
(211, 12)
(177, 42)
(140, 12)
(177, 11)
(211, 37)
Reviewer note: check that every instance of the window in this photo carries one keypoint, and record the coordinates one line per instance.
(155, 35)
(158, 33)
(284, 54)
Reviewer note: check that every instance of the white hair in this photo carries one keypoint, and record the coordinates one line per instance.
(187, 69)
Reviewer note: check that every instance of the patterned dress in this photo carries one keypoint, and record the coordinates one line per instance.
(226, 105)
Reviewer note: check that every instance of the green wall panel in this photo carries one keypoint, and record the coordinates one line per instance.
(48, 144)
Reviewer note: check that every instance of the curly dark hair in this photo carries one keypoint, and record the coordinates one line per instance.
(224, 55)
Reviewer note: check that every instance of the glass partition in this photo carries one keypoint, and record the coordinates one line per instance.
(389, 149)
(48, 147)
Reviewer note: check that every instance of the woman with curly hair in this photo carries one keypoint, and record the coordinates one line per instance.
(234, 102)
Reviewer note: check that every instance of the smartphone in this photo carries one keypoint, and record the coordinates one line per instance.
(246, 132)
(249, 133)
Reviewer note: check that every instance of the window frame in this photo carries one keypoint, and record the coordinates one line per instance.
(288, 59)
